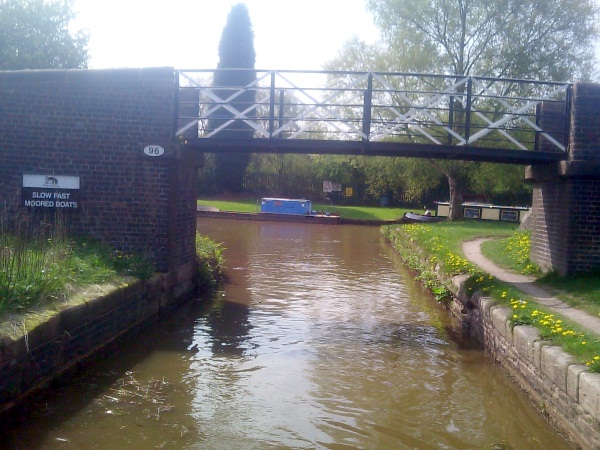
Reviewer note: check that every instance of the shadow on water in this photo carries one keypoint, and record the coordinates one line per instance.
(108, 383)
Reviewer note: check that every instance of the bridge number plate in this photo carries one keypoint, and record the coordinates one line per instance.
(154, 150)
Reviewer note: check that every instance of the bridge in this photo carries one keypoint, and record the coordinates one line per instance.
(375, 114)
(124, 145)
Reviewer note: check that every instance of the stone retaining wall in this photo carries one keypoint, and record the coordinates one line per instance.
(28, 363)
(564, 391)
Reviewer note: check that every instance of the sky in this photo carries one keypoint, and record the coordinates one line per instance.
(185, 34)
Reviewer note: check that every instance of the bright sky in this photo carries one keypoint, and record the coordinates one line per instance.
(185, 34)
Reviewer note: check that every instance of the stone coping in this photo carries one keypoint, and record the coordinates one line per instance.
(560, 387)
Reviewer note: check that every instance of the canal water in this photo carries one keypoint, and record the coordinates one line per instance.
(318, 339)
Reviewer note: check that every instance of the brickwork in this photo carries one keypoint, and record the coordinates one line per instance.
(585, 123)
(94, 125)
(549, 223)
(565, 223)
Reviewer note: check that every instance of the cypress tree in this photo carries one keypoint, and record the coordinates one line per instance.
(236, 51)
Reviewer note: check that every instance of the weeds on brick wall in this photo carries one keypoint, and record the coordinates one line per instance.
(31, 271)
(137, 265)
(209, 255)
(428, 265)
(40, 264)
(32, 256)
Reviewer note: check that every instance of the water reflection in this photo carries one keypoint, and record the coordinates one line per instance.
(318, 339)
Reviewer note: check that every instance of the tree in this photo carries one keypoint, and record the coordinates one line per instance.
(34, 34)
(539, 39)
(236, 51)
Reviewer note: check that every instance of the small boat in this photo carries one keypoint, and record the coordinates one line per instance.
(410, 217)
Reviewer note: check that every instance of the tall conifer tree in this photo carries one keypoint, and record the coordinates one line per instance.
(236, 51)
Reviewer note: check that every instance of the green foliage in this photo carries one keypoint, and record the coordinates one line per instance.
(512, 252)
(503, 184)
(34, 34)
(38, 270)
(582, 345)
(252, 205)
(281, 175)
(424, 248)
(581, 291)
(236, 51)
(30, 271)
(210, 261)
(548, 39)
(236, 47)
(341, 169)
(40, 264)
(434, 250)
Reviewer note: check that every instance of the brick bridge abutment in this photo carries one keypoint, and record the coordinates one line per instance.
(88, 129)
(565, 222)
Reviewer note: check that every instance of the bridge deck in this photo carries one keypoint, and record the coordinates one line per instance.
(374, 113)
(331, 147)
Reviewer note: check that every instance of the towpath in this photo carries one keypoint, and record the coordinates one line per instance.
(527, 284)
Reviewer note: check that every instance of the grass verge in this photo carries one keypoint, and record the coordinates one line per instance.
(252, 205)
(580, 291)
(434, 250)
(39, 276)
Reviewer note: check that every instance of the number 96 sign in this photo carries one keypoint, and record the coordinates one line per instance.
(154, 150)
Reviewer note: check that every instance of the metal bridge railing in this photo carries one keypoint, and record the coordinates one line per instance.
(376, 107)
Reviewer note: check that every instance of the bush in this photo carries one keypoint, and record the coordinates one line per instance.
(210, 261)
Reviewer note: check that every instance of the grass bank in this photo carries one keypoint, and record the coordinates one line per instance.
(39, 275)
(434, 251)
(579, 291)
(252, 205)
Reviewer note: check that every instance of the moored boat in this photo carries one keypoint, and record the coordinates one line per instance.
(410, 217)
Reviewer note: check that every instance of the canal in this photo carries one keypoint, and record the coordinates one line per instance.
(318, 339)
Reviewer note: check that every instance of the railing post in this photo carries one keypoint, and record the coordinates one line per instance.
(272, 106)
(451, 118)
(468, 111)
(568, 105)
(368, 99)
(281, 111)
